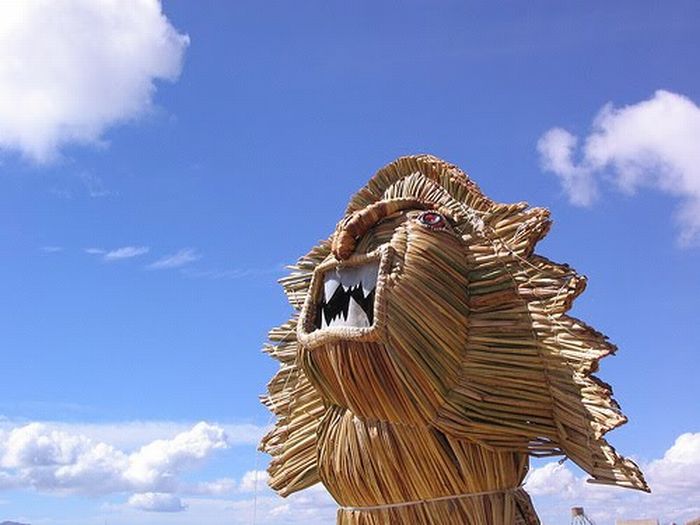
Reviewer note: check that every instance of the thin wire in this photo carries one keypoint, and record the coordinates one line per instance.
(431, 500)
(269, 422)
(480, 226)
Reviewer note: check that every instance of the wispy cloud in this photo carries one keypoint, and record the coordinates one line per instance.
(176, 260)
(654, 143)
(94, 185)
(61, 193)
(233, 273)
(51, 249)
(125, 252)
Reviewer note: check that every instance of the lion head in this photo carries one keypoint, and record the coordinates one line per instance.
(428, 307)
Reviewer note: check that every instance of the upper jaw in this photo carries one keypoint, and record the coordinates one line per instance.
(345, 299)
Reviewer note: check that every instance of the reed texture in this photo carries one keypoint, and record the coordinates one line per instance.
(467, 364)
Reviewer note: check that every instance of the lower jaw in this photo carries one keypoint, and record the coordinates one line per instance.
(363, 377)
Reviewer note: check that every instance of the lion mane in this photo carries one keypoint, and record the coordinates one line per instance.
(471, 337)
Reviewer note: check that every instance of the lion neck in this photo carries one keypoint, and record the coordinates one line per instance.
(375, 463)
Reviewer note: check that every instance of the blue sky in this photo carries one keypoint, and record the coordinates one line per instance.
(158, 169)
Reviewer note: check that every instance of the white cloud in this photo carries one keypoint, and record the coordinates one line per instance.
(253, 480)
(552, 478)
(51, 249)
(679, 469)
(310, 507)
(154, 460)
(158, 463)
(674, 481)
(35, 455)
(556, 149)
(69, 69)
(176, 260)
(125, 252)
(218, 487)
(234, 273)
(654, 143)
(132, 435)
(156, 502)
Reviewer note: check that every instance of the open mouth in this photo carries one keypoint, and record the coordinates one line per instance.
(348, 296)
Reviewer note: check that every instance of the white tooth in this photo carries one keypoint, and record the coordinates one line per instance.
(349, 277)
(331, 281)
(356, 315)
(369, 277)
(324, 322)
(337, 320)
(366, 275)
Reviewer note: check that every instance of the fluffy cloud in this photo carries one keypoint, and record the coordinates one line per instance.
(69, 69)
(157, 464)
(552, 478)
(674, 481)
(253, 480)
(156, 502)
(152, 469)
(130, 436)
(654, 143)
(679, 469)
(46, 459)
(175, 260)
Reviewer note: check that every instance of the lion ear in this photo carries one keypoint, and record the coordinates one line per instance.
(299, 410)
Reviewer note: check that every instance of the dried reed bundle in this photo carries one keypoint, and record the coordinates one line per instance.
(431, 355)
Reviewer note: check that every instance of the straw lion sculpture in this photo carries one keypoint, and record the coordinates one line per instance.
(430, 355)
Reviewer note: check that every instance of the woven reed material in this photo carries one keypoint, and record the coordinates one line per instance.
(512, 506)
(470, 365)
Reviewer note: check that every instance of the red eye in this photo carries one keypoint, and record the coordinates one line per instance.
(432, 219)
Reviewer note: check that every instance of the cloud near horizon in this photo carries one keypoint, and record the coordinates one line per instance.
(151, 463)
(652, 144)
(67, 83)
(674, 480)
(157, 502)
(51, 460)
